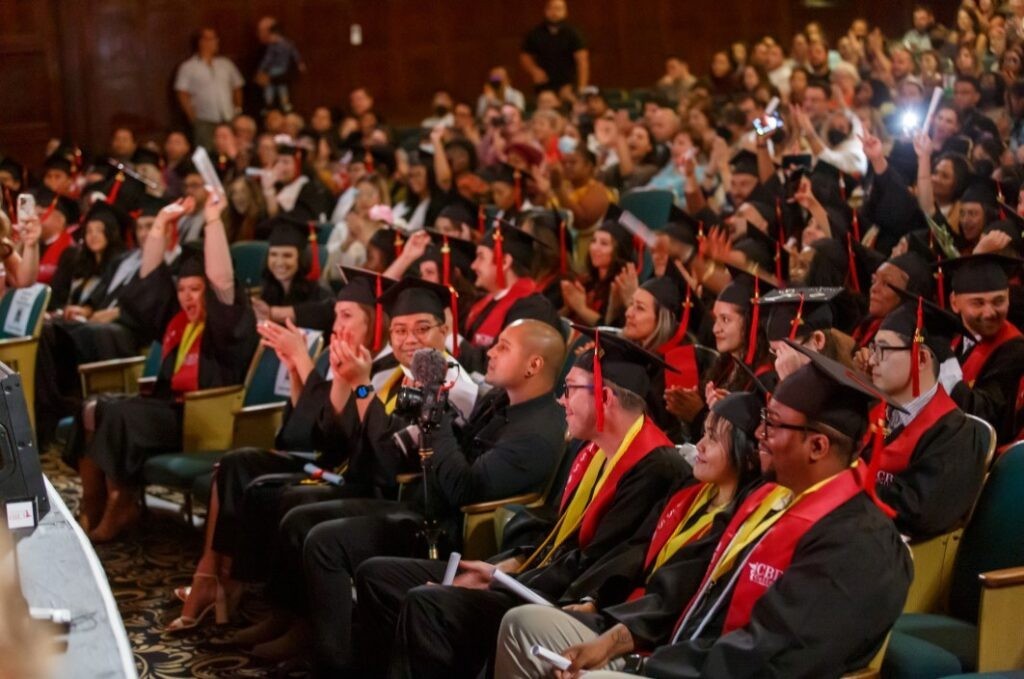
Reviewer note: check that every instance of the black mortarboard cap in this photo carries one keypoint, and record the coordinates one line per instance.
(1012, 228)
(58, 162)
(149, 206)
(499, 172)
(145, 156)
(980, 190)
(938, 328)
(288, 230)
(386, 240)
(623, 362)
(190, 261)
(744, 162)
(462, 252)
(918, 272)
(458, 213)
(828, 392)
(668, 291)
(797, 312)
(361, 286)
(742, 409)
(416, 296)
(12, 167)
(536, 307)
(113, 218)
(740, 291)
(67, 207)
(980, 273)
(681, 226)
(515, 242)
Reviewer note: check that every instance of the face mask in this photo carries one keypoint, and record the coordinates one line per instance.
(835, 137)
(566, 145)
(440, 110)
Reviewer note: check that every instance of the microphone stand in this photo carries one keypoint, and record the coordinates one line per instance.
(432, 530)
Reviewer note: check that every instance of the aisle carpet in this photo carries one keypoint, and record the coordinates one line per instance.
(143, 568)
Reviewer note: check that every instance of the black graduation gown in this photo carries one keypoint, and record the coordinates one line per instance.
(60, 284)
(131, 429)
(890, 206)
(301, 291)
(993, 397)
(940, 484)
(827, 614)
(450, 631)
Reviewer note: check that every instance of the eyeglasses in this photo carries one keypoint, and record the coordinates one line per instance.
(768, 424)
(565, 388)
(398, 335)
(879, 350)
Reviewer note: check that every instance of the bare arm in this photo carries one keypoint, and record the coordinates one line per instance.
(156, 242)
(925, 195)
(23, 269)
(219, 269)
(537, 74)
(442, 170)
(185, 101)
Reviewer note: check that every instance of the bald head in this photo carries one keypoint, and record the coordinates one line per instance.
(526, 359)
(540, 339)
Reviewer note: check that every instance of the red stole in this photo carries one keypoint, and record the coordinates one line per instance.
(675, 509)
(186, 377)
(486, 330)
(980, 353)
(769, 559)
(51, 257)
(865, 332)
(647, 439)
(895, 456)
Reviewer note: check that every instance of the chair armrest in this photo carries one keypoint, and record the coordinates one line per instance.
(212, 392)
(256, 426)
(17, 341)
(209, 417)
(490, 506)
(262, 408)
(1000, 620)
(1006, 577)
(112, 364)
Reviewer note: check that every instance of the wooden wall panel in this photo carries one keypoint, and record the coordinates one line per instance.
(86, 65)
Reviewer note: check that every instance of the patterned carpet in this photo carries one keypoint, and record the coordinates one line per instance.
(143, 568)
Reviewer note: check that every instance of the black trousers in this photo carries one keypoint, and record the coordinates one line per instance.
(322, 545)
(130, 430)
(444, 632)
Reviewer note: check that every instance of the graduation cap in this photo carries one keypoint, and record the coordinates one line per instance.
(13, 168)
(617, 360)
(124, 187)
(981, 190)
(742, 409)
(145, 156)
(828, 392)
(1011, 227)
(505, 174)
(681, 227)
(745, 292)
(981, 273)
(389, 241)
(51, 201)
(505, 238)
(621, 236)
(191, 261)
(58, 163)
(919, 274)
(115, 221)
(673, 293)
(380, 156)
(459, 213)
(288, 229)
(828, 183)
(923, 322)
(761, 249)
(149, 206)
(795, 313)
(744, 162)
(417, 296)
(554, 222)
(366, 287)
(449, 250)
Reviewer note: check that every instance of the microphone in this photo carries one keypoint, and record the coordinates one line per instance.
(318, 473)
(429, 368)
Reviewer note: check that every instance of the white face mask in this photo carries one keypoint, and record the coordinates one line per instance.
(566, 145)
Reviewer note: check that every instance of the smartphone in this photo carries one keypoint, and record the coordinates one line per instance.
(26, 207)
(766, 125)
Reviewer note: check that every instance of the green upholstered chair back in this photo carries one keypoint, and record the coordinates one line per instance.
(994, 538)
(248, 258)
(151, 368)
(267, 382)
(323, 232)
(21, 311)
(649, 206)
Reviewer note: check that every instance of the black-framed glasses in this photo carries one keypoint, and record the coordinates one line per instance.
(876, 349)
(769, 424)
(565, 388)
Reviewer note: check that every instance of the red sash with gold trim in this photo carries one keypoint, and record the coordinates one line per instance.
(895, 456)
(48, 262)
(186, 377)
(771, 556)
(984, 349)
(674, 511)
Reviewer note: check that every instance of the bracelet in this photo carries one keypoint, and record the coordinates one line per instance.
(215, 221)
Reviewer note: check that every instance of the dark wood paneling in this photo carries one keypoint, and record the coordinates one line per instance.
(83, 66)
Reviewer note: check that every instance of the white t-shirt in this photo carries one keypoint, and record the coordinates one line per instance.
(210, 86)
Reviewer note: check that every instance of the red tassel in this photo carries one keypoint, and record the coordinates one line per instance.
(755, 321)
(940, 286)
(49, 210)
(798, 320)
(563, 262)
(598, 383)
(378, 318)
(638, 245)
(297, 157)
(116, 188)
(856, 226)
(368, 161)
(517, 189)
(877, 428)
(399, 243)
(684, 324)
(499, 257)
(314, 251)
(852, 264)
(455, 322)
(778, 261)
(915, 350)
(480, 220)
(446, 262)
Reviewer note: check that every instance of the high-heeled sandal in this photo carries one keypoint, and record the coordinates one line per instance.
(219, 606)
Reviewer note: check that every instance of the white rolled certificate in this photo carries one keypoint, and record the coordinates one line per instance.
(507, 581)
(201, 159)
(550, 657)
(453, 566)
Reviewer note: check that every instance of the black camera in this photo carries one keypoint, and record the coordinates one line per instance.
(425, 407)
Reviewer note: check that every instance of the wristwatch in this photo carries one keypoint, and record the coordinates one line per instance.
(635, 663)
(364, 390)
